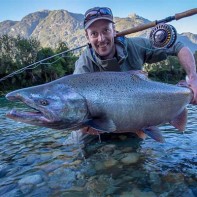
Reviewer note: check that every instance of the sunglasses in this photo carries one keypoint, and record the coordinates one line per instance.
(94, 13)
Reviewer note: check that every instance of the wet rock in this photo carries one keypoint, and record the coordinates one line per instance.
(173, 178)
(99, 165)
(183, 191)
(137, 193)
(194, 190)
(7, 188)
(110, 162)
(127, 194)
(62, 178)
(49, 167)
(108, 148)
(41, 191)
(154, 178)
(122, 137)
(26, 188)
(3, 170)
(100, 185)
(30, 159)
(73, 164)
(57, 135)
(76, 188)
(33, 179)
(127, 150)
(130, 158)
(117, 153)
(46, 156)
(57, 153)
(12, 193)
(155, 181)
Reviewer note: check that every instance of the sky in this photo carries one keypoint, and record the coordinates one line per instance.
(149, 9)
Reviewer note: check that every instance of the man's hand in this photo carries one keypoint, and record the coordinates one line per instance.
(192, 82)
(187, 61)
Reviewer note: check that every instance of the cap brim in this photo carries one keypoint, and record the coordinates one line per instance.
(96, 19)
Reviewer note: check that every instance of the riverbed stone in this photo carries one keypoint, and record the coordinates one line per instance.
(110, 162)
(130, 158)
(32, 179)
(26, 188)
(3, 170)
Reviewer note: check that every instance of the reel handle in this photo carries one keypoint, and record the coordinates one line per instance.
(186, 14)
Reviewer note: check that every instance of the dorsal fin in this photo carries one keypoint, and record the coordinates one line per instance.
(139, 74)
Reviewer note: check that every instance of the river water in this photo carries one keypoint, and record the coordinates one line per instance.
(37, 161)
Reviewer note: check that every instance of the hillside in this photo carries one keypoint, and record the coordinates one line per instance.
(51, 27)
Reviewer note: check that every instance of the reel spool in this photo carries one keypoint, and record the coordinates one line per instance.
(163, 36)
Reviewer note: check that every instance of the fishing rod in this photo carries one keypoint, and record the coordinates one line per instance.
(177, 16)
(161, 36)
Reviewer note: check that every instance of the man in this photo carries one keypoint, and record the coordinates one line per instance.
(106, 52)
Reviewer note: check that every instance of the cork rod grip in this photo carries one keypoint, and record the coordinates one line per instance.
(136, 29)
(186, 14)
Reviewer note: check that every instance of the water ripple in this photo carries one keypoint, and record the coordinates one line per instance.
(35, 160)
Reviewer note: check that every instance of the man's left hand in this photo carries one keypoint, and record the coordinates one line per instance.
(193, 85)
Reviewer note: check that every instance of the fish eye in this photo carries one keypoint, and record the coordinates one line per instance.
(44, 102)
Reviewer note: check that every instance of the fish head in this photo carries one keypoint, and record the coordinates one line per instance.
(54, 106)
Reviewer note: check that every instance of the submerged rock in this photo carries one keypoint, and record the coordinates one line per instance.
(33, 179)
(130, 158)
(110, 162)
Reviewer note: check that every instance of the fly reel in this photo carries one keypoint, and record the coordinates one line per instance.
(163, 36)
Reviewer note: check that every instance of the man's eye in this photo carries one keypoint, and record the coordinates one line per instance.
(107, 31)
(93, 34)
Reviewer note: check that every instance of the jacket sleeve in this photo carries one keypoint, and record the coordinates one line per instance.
(81, 65)
(149, 54)
(161, 54)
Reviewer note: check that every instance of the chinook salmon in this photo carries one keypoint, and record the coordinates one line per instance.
(106, 101)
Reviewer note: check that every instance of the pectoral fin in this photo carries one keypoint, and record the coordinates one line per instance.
(180, 121)
(102, 124)
(154, 133)
(141, 134)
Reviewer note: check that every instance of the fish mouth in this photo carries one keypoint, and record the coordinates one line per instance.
(34, 117)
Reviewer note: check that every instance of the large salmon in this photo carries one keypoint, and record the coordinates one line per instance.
(105, 101)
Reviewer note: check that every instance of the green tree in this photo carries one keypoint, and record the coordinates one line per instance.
(169, 70)
(68, 59)
(18, 53)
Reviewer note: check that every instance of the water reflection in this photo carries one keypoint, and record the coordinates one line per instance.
(36, 161)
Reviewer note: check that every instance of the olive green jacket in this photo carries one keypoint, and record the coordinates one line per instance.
(131, 54)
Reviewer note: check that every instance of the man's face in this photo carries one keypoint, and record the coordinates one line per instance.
(101, 36)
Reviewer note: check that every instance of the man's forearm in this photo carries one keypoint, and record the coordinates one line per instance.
(187, 61)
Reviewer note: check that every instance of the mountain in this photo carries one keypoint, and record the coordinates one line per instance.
(52, 27)
(27, 25)
(60, 25)
(5, 26)
(131, 21)
(189, 40)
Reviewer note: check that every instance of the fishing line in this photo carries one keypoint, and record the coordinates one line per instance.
(36, 64)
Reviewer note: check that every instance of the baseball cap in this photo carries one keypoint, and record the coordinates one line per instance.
(97, 13)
